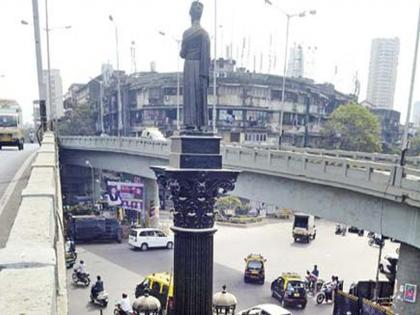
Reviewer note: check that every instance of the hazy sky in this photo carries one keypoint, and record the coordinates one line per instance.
(341, 30)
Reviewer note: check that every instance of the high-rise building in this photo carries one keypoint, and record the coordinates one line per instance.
(55, 108)
(295, 64)
(383, 71)
(416, 114)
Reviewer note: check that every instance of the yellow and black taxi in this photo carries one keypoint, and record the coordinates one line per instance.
(254, 268)
(289, 289)
(161, 286)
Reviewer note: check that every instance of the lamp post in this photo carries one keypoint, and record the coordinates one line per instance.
(214, 112)
(120, 127)
(410, 97)
(286, 48)
(178, 42)
(47, 30)
(87, 162)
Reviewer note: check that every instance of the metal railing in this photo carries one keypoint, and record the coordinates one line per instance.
(373, 174)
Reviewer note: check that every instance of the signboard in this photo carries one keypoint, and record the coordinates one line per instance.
(410, 292)
(128, 196)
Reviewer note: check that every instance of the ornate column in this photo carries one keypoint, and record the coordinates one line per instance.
(194, 179)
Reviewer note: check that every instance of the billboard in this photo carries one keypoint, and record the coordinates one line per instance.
(129, 196)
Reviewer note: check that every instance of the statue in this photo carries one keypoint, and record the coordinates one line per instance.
(195, 50)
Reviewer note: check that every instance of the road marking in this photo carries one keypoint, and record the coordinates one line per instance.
(12, 186)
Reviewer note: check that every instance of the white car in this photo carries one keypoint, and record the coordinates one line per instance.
(265, 309)
(149, 238)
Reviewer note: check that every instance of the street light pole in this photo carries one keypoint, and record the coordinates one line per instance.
(178, 88)
(47, 30)
(410, 97)
(120, 127)
(92, 180)
(286, 48)
(214, 112)
(37, 35)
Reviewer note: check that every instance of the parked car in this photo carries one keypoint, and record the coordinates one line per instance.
(304, 227)
(161, 286)
(265, 309)
(83, 228)
(149, 238)
(152, 134)
(289, 289)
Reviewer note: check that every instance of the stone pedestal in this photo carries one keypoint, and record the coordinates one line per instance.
(194, 180)
(408, 272)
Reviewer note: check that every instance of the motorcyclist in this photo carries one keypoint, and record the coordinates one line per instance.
(80, 269)
(70, 246)
(97, 287)
(331, 288)
(314, 277)
(311, 279)
(125, 305)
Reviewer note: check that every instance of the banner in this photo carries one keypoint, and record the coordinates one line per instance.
(129, 196)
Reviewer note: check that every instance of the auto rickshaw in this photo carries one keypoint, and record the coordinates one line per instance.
(289, 289)
(254, 268)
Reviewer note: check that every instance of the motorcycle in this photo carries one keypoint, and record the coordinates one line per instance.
(309, 285)
(376, 241)
(117, 310)
(80, 278)
(340, 229)
(325, 294)
(101, 299)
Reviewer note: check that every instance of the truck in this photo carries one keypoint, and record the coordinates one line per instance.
(88, 228)
(11, 124)
(304, 227)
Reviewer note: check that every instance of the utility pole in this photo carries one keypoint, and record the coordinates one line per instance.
(214, 113)
(41, 92)
(50, 100)
(410, 97)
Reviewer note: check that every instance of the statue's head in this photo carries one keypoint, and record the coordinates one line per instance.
(196, 10)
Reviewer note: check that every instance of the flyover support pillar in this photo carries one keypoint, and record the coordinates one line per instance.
(408, 282)
(151, 202)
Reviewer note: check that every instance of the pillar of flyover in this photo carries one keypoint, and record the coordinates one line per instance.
(407, 296)
(151, 202)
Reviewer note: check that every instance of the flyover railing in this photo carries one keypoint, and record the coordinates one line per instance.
(373, 174)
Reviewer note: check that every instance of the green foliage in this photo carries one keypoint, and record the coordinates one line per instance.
(228, 203)
(414, 146)
(80, 123)
(352, 127)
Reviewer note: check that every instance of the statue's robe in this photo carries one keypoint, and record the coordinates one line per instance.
(195, 50)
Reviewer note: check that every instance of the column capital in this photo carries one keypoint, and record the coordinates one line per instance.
(194, 192)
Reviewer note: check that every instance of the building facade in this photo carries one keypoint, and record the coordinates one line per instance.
(383, 71)
(248, 105)
(55, 109)
(295, 67)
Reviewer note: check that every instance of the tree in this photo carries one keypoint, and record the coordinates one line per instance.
(352, 127)
(228, 202)
(414, 146)
(80, 123)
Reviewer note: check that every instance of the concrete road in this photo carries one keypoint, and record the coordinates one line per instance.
(14, 172)
(349, 257)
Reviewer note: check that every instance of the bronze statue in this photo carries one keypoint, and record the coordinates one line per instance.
(195, 50)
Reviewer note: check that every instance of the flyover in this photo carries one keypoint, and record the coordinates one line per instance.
(372, 192)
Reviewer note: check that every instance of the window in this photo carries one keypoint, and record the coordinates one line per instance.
(160, 234)
(155, 287)
(133, 233)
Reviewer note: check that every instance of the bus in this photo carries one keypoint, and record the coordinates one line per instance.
(11, 124)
